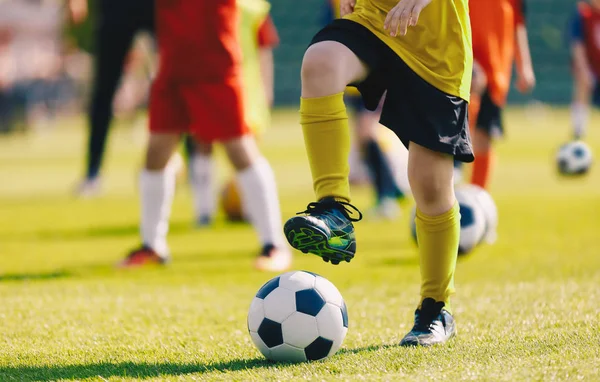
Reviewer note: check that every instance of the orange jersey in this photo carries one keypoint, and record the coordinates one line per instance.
(493, 24)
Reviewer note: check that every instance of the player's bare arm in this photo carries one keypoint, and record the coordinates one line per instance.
(525, 73)
(347, 7)
(265, 56)
(404, 14)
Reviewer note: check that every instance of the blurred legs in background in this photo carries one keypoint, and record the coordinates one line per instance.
(117, 26)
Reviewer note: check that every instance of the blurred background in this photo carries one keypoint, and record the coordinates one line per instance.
(46, 59)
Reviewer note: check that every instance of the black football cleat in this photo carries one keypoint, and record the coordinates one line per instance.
(433, 325)
(324, 230)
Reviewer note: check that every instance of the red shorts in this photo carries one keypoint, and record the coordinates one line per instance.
(208, 111)
(198, 89)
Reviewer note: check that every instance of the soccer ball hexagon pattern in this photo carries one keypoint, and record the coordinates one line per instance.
(298, 316)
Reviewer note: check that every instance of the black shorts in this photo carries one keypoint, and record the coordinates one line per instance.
(489, 118)
(413, 109)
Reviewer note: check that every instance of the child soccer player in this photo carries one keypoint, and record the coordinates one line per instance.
(198, 91)
(585, 53)
(499, 37)
(423, 63)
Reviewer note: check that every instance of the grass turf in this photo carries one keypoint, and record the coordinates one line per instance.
(527, 307)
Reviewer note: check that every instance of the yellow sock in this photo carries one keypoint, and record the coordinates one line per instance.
(327, 140)
(438, 238)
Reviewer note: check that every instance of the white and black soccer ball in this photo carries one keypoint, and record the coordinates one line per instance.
(472, 222)
(298, 316)
(574, 158)
(489, 209)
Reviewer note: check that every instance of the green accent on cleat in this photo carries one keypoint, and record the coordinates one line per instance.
(325, 231)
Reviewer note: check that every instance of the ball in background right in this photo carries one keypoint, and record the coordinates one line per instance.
(574, 158)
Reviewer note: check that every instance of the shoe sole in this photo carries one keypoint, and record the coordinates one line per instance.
(309, 239)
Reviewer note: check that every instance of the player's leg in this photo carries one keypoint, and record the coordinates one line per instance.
(386, 190)
(217, 115)
(327, 230)
(259, 196)
(113, 41)
(168, 122)
(438, 228)
(157, 188)
(489, 123)
(202, 180)
(583, 88)
(435, 127)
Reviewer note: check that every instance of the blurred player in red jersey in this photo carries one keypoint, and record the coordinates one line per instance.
(585, 55)
(198, 91)
(258, 38)
(499, 38)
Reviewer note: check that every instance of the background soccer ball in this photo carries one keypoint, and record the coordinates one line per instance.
(231, 203)
(472, 221)
(298, 316)
(489, 209)
(574, 158)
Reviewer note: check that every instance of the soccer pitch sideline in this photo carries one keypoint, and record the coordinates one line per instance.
(527, 308)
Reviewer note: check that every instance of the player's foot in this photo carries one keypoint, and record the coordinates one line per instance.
(386, 209)
(325, 230)
(143, 256)
(88, 188)
(203, 221)
(273, 259)
(433, 325)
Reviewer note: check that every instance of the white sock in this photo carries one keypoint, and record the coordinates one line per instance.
(258, 192)
(156, 193)
(579, 117)
(203, 187)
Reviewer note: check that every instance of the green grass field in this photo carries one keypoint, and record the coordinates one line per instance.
(527, 308)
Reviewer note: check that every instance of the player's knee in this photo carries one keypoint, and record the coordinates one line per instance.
(160, 150)
(242, 152)
(431, 178)
(428, 186)
(321, 71)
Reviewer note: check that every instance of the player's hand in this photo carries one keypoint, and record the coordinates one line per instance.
(525, 81)
(404, 14)
(347, 7)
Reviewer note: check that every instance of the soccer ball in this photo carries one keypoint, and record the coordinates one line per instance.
(472, 222)
(488, 207)
(574, 158)
(298, 316)
(231, 203)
